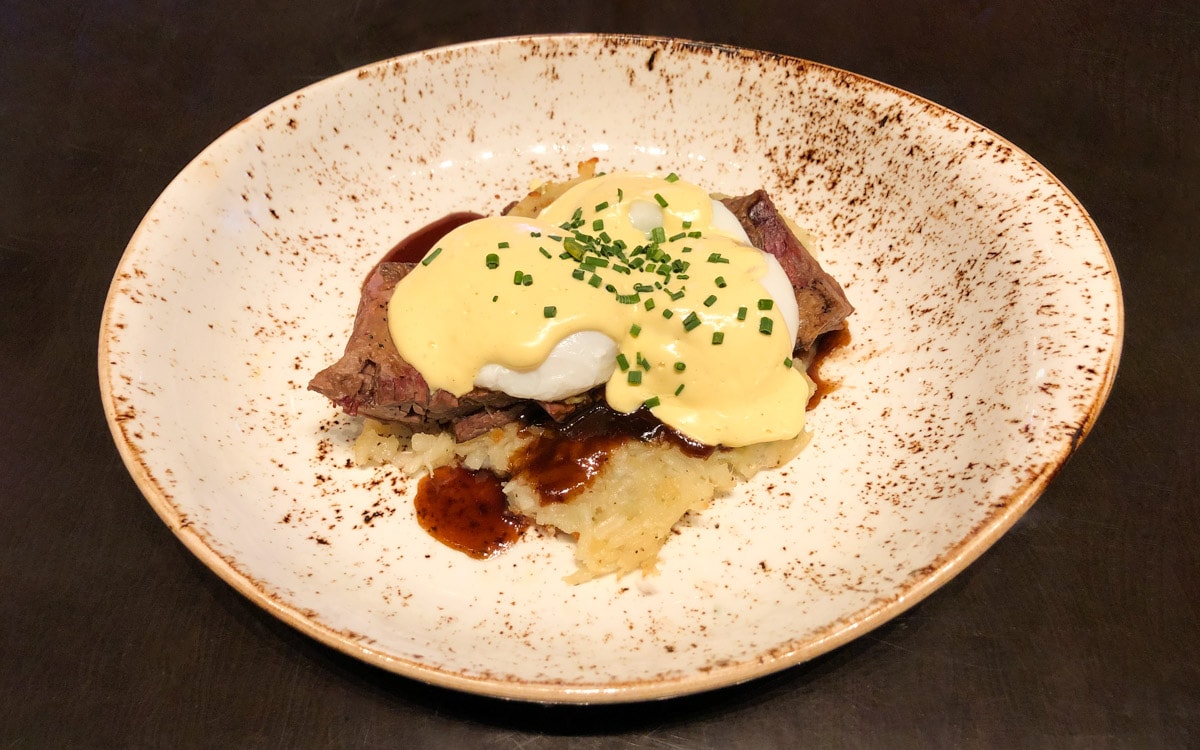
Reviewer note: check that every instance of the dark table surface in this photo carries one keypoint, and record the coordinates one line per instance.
(1080, 628)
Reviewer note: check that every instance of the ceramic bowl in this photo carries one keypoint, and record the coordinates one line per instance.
(985, 341)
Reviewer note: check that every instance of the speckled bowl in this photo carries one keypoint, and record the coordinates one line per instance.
(986, 339)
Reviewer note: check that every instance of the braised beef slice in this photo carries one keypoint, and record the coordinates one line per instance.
(823, 305)
(371, 379)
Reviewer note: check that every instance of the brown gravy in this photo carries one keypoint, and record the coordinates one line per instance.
(564, 459)
(467, 510)
(825, 344)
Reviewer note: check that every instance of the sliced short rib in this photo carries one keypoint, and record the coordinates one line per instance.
(373, 380)
(823, 304)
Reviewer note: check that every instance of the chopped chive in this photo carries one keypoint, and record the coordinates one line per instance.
(675, 237)
(741, 313)
(528, 280)
(675, 296)
(787, 362)
(651, 402)
(680, 367)
(620, 195)
(765, 325)
(668, 313)
(431, 256)
(578, 273)
(721, 282)
(691, 321)
(643, 288)
(605, 238)
(501, 245)
(544, 251)
(694, 234)
(597, 225)
(683, 276)
(492, 260)
(597, 261)
(643, 362)
(620, 268)
(634, 377)
(495, 297)
(660, 200)
(535, 234)
(634, 330)
(564, 255)
(610, 289)
(600, 207)
(629, 299)
(717, 258)
(649, 304)
(573, 247)
(687, 249)
(578, 215)
(549, 311)
(650, 267)
(687, 225)
(766, 304)
(658, 234)
(679, 390)
(718, 338)
(709, 300)
(595, 281)
(672, 177)
(622, 362)
(518, 277)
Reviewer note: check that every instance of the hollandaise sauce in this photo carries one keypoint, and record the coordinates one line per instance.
(699, 340)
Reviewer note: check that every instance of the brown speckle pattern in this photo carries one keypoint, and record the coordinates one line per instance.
(986, 337)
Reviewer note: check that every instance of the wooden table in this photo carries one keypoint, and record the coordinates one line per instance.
(1080, 628)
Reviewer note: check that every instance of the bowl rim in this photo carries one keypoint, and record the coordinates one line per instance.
(926, 581)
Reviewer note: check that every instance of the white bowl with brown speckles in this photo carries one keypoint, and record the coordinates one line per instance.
(985, 341)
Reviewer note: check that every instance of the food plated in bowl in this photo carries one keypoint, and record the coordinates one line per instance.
(984, 341)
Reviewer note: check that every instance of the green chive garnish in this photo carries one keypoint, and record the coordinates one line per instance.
(658, 234)
(679, 390)
(436, 251)
(709, 300)
(597, 225)
(718, 337)
(595, 281)
(766, 304)
(544, 251)
(528, 280)
(492, 260)
(651, 402)
(721, 282)
(691, 321)
(620, 195)
(679, 236)
(622, 362)
(649, 305)
(765, 325)
(680, 367)
(672, 177)
(660, 200)
(549, 311)
(518, 277)
(535, 234)
(787, 362)
(634, 330)
(634, 377)
(741, 313)
(578, 273)
(501, 245)
(600, 207)
(687, 225)
(716, 258)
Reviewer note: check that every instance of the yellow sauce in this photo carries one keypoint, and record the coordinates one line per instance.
(454, 313)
